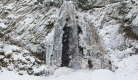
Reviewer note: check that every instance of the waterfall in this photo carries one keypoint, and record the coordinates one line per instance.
(69, 8)
(75, 43)
(67, 19)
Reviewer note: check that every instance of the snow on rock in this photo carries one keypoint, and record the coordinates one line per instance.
(32, 59)
(8, 49)
(26, 23)
(17, 59)
(111, 37)
(135, 1)
(108, 21)
(1, 57)
(135, 23)
(40, 70)
(3, 26)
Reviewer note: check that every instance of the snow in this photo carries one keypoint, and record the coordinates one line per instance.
(102, 74)
(136, 1)
(41, 68)
(135, 21)
(127, 71)
(62, 71)
(121, 54)
(16, 57)
(111, 36)
(1, 57)
(8, 49)
(9, 7)
(25, 51)
(32, 59)
(2, 25)
(127, 65)
(76, 75)
(50, 36)
(6, 75)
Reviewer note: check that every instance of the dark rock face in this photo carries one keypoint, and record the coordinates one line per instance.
(90, 63)
(65, 48)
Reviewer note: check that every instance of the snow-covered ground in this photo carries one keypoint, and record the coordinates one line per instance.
(127, 70)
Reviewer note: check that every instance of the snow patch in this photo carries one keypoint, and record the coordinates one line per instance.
(3, 26)
(102, 74)
(8, 49)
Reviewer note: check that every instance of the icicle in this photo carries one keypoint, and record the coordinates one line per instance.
(49, 53)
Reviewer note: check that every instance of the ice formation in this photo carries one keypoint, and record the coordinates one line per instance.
(75, 44)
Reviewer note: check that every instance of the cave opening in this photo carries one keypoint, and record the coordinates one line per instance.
(65, 47)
